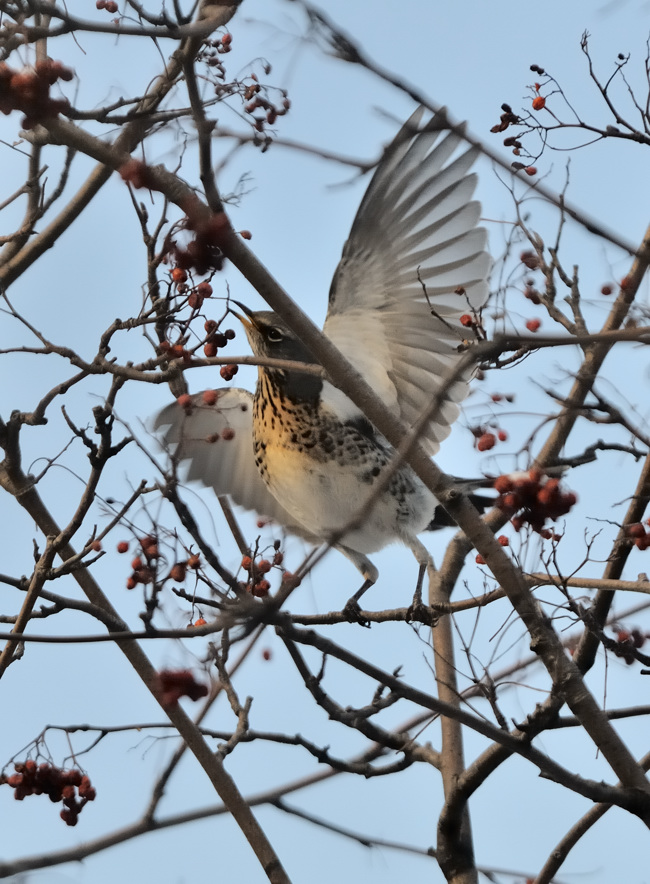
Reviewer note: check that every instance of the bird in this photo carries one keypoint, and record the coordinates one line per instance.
(298, 450)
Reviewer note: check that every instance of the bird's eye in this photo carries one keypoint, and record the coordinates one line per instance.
(274, 336)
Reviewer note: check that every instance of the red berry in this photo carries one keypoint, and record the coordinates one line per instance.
(530, 259)
(179, 276)
(227, 372)
(503, 484)
(261, 588)
(479, 559)
(227, 434)
(178, 572)
(200, 622)
(266, 654)
(530, 170)
(246, 234)
(635, 529)
(209, 397)
(246, 563)
(503, 436)
(184, 400)
(503, 540)
(539, 103)
(606, 289)
(533, 325)
(466, 320)
(210, 350)
(96, 546)
(263, 566)
(486, 442)
(194, 561)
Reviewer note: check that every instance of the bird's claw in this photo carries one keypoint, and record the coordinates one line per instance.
(352, 613)
(420, 612)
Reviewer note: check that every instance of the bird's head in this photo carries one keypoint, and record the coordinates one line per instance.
(270, 337)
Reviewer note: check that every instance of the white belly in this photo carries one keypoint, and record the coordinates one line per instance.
(325, 496)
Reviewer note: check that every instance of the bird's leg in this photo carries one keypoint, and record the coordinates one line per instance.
(427, 566)
(417, 595)
(352, 609)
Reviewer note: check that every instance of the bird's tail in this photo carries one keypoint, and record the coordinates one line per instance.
(470, 487)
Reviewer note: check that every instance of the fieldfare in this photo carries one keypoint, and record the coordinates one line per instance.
(299, 451)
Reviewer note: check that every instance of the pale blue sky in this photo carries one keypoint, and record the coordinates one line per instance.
(471, 56)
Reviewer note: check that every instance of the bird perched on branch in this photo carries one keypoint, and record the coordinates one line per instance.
(298, 450)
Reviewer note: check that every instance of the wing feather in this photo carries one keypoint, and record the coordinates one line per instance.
(222, 461)
(416, 229)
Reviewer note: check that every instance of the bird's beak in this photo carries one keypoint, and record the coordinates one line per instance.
(248, 321)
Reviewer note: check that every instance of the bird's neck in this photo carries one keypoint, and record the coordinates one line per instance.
(296, 386)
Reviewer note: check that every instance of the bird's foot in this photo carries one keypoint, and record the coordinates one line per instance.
(421, 613)
(352, 613)
(352, 609)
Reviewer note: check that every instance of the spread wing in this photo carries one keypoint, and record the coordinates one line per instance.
(216, 442)
(416, 229)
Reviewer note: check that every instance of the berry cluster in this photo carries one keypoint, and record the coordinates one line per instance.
(627, 642)
(638, 534)
(109, 5)
(178, 570)
(485, 439)
(71, 787)
(508, 118)
(197, 293)
(143, 568)
(257, 583)
(203, 253)
(211, 52)
(175, 351)
(215, 339)
(531, 498)
(256, 101)
(28, 91)
(172, 684)
(513, 142)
